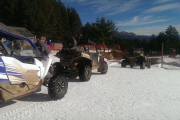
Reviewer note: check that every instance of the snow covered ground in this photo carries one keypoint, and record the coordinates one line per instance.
(121, 94)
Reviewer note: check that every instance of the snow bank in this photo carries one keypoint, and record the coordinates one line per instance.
(171, 63)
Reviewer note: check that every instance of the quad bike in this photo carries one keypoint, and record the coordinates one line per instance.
(76, 59)
(136, 56)
(24, 69)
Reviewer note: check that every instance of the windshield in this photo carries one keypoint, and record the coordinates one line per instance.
(20, 48)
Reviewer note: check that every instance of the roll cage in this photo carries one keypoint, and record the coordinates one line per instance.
(16, 37)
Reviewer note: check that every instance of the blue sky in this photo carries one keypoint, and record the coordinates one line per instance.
(143, 17)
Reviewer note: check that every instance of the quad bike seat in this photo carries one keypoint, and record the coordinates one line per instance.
(70, 47)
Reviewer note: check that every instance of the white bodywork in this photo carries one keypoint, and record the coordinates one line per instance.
(19, 72)
(46, 65)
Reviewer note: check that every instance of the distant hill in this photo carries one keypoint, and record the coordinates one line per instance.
(130, 35)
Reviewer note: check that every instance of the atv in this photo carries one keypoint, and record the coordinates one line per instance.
(24, 69)
(77, 59)
(136, 56)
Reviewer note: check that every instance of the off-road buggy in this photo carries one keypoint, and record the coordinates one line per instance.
(24, 69)
(77, 59)
(136, 56)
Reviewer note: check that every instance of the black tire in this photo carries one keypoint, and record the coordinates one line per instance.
(85, 73)
(123, 64)
(142, 65)
(149, 64)
(131, 66)
(105, 68)
(57, 87)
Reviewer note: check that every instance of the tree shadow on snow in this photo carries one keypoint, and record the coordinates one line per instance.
(74, 80)
(172, 63)
(4, 104)
(136, 67)
(72, 77)
(98, 73)
(37, 97)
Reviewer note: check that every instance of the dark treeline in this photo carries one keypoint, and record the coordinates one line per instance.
(52, 19)
(102, 31)
(42, 17)
(170, 39)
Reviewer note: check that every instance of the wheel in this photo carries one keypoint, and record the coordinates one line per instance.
(131, 66)
(85, 73)
(57, 87)
(149, 64)
(142, 65)
(123, 64)
(105, 68)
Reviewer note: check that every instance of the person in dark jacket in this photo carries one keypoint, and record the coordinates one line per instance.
(17, 45)
(42, 46)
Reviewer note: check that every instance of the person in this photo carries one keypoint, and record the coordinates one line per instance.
(6, 42)
(10, 44)
(42, 46)
(71, 42)
(70, 45)
(17, 45)
(49, 44)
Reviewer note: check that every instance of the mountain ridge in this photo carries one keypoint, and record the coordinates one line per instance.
(131, 35)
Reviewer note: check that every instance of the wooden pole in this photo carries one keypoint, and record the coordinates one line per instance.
(104, 45)
(162, 56)
(88, 45)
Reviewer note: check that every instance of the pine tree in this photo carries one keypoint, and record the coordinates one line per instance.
(74, 22)
(161, 38)
(153, 43)
(41, 17)
(172, 34)
(64, 20)
(86, 30)
(105, 30)
(9, 11)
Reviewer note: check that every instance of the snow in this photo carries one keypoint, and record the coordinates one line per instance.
(121, 94)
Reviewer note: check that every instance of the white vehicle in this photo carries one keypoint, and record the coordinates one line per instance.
(24, 69)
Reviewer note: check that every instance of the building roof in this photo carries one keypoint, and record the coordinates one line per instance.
(19, 31)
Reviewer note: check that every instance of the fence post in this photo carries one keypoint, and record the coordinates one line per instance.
(162, 56)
